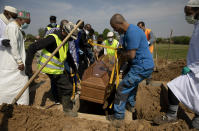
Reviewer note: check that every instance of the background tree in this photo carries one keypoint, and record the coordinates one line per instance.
(105, 32)
(30, 38)
(41, 32)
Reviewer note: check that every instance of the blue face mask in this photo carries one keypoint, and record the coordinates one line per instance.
(24, 26)
(53, 24)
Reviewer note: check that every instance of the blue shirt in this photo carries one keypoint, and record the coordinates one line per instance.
(135, 38)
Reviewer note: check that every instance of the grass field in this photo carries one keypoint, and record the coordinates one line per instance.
(176, 51)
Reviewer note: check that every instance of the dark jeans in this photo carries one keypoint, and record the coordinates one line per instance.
(60, 86)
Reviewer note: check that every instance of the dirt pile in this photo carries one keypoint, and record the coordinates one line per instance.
(149, 103)
(167, 72)
(22, 118)
(44, 115)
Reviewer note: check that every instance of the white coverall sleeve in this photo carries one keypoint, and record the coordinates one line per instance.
(12, 35)
(194, 67)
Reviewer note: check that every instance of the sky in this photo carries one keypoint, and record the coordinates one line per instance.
(159, 15)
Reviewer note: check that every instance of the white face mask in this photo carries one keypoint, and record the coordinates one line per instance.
(190, 19)
(110, 40)
(87, 32)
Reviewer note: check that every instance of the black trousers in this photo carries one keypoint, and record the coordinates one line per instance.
(172, 98)
(60, 86)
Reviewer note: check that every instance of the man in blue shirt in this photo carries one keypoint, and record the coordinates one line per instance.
(140, 61)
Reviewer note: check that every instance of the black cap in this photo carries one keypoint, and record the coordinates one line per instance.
(52, 17)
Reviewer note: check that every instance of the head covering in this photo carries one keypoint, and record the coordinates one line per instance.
(193, 3)
(110, 34)
(23, 14)
(10, 9)
(68, 27)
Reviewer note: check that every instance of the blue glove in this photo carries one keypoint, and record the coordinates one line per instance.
(185, 70)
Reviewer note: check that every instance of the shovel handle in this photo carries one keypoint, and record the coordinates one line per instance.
(38, 71)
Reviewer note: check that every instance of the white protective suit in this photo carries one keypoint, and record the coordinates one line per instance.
(186, 87)
(12, 80)
(3, 22)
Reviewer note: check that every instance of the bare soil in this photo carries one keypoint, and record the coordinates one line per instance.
(44, 115)
(168, 71)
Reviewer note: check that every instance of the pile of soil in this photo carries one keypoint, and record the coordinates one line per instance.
(45, 115)
(169, 71)
(149, 103)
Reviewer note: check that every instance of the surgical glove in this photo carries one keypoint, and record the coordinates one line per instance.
(185, 70)
(6, 42)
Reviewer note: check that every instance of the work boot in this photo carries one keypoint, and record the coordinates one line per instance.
(148, 81)
(67, 106)
(164, 119)
(132, 110)
(115, 121)
(195, 122)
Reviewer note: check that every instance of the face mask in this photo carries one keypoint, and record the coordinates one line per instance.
(190, 19)
(24, 26)
(87, 32)
(53, 24)
(11, 19)
(110, 40)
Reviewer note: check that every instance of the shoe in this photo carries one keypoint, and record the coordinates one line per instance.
(115, 121)
(67, 106)
(130, 108)
(71, 113)
(164, 119)
(195, 122)
(148, 81)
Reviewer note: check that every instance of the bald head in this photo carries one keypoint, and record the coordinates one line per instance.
(117, 19)
(118, 23)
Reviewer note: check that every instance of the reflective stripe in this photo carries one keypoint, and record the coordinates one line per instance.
(51, 66)
(52, 60)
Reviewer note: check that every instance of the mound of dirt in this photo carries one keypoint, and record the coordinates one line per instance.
(45, 115)
(149, 103)
(167, 72)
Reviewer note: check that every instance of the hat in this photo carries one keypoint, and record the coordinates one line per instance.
(193, 3)
(110, 34)
(23, 14)
(68, 27)
(10, 9)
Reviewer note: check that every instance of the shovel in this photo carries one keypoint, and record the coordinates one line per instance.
(38, 71)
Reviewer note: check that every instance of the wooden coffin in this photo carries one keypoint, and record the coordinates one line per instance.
(95, 80)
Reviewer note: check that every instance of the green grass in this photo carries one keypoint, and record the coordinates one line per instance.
(176, 51)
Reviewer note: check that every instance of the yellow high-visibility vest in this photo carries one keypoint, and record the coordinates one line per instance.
(114, 45)
(55, 65)
(48, 28)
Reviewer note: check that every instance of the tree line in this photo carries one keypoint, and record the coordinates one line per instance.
(174, 40)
